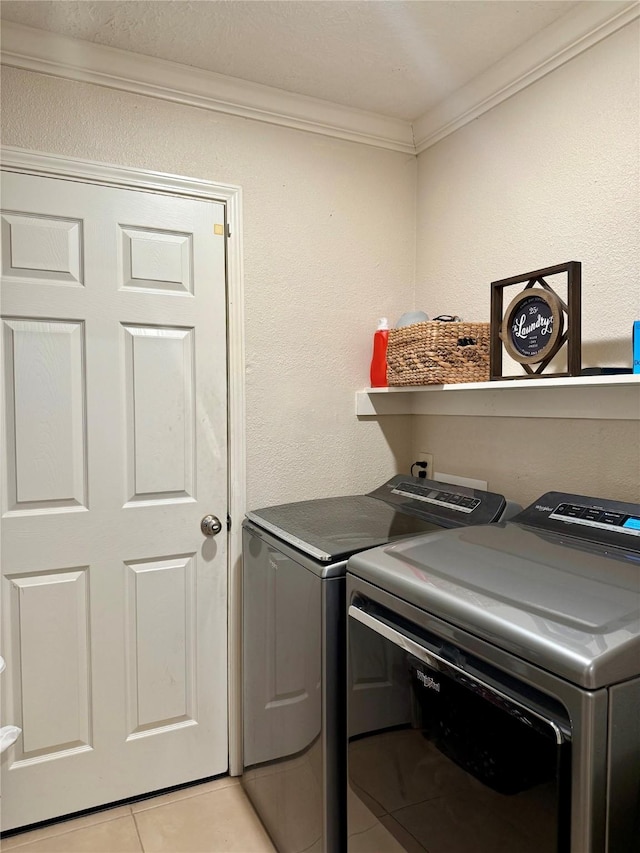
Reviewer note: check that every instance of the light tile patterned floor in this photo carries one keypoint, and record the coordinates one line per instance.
(215, 817)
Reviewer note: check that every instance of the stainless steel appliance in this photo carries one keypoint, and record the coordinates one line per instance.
(502, 710)
(294, 642)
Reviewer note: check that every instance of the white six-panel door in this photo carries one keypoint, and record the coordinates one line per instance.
(114, 448)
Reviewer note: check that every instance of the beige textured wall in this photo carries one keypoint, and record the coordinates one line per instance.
(523, 458)
(548, 176)
(329, 240)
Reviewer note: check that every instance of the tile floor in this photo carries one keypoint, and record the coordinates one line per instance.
(215, 817)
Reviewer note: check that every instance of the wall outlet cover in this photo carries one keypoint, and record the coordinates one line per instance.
(423, 456)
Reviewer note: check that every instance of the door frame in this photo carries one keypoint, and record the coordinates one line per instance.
(45, 165)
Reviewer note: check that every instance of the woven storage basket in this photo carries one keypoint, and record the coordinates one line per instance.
(438, 353)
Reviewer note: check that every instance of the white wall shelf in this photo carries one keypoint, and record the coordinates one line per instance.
(597, 397)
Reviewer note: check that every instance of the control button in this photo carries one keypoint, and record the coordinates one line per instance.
(612, 517)
(572, 511)
(468, 502)
(561, 510)
(592, 515)
(455, 499)
(407, 487)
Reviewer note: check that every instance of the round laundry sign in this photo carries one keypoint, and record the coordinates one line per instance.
(532, 326)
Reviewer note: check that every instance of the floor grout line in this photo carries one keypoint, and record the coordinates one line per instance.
(135, 823)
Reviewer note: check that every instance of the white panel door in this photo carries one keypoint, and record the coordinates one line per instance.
(114, 603)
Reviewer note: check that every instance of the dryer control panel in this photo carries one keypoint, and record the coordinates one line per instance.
(596, 519)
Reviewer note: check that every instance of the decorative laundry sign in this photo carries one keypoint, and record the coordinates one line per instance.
(532, 326)
(538, 323)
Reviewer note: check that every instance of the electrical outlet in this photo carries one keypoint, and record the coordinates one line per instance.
(428, 458)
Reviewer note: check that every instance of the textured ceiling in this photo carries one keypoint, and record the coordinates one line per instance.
(390, 57)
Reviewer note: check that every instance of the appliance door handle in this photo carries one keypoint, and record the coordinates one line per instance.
(440, 664)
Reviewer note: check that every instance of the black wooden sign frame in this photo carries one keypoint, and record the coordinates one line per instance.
(567, 322)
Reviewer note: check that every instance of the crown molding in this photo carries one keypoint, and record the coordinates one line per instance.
(580, 29)
(60, 56)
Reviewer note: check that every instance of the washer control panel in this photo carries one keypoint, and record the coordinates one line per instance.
(596, 519)
(452, 500)
(442, 503)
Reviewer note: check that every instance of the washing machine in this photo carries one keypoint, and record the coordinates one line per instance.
(294, 618)
(494, 685)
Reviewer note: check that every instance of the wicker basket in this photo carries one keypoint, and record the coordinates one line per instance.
(438, 353)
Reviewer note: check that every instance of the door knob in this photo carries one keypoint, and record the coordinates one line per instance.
(210, 525)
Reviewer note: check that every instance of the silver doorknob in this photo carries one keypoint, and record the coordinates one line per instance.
(210, 525)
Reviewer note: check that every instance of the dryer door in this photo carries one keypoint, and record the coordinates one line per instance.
(464, 765)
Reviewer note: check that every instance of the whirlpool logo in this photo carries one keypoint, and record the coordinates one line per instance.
(427, 681)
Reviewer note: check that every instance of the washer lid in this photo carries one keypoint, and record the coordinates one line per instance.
(567, 605)
(331, 529)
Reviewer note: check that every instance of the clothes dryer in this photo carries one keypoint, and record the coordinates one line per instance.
(509, 666)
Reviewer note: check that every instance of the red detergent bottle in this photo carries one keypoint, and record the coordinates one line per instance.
(378, 373)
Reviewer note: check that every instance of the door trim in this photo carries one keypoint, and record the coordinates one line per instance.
(48, 165)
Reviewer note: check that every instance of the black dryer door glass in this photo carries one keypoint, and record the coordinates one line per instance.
(438, 762)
